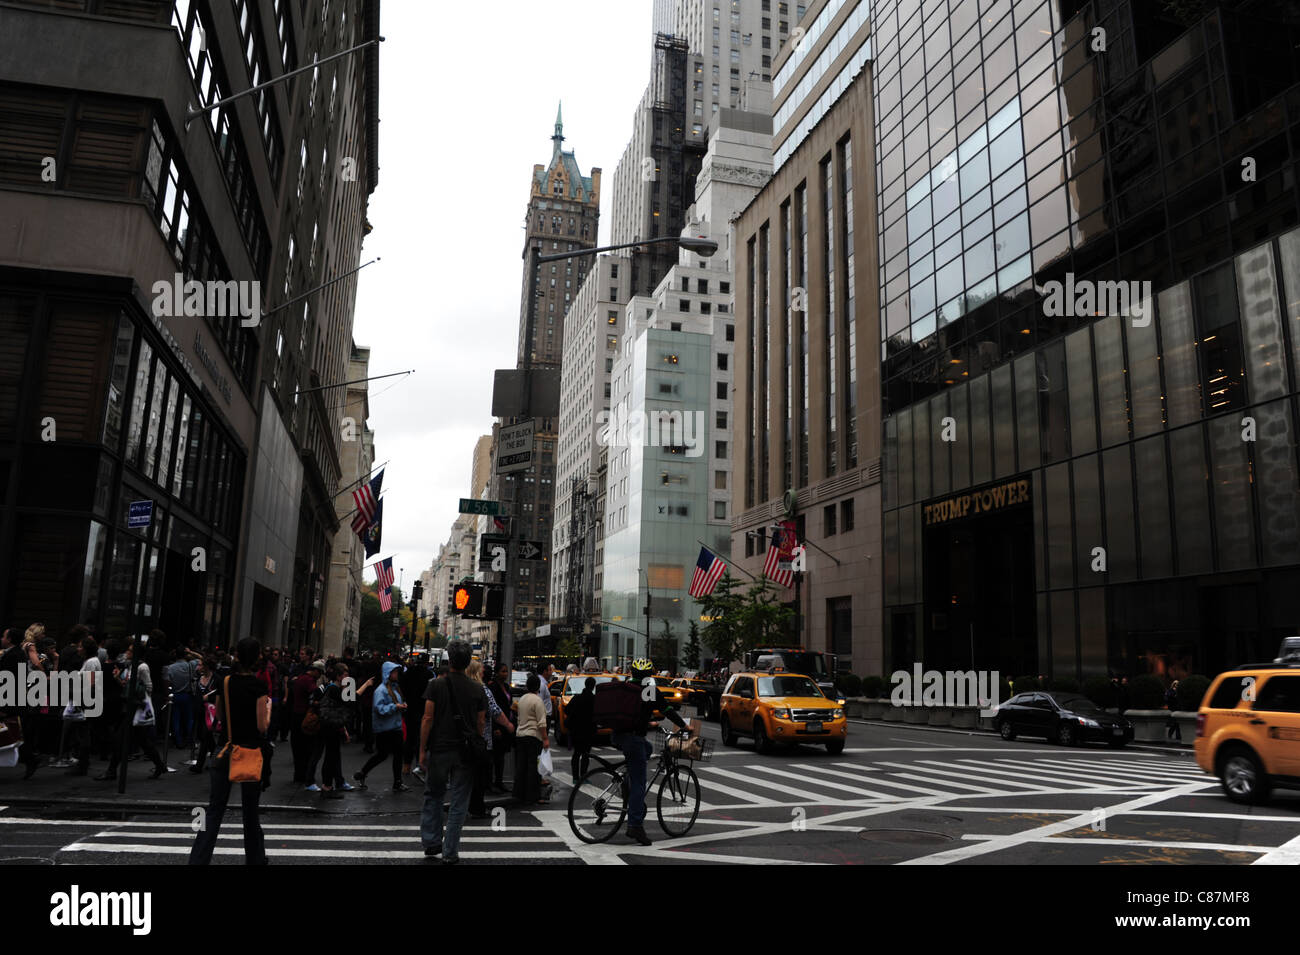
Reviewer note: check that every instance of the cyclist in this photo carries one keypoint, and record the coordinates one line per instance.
(637, 749)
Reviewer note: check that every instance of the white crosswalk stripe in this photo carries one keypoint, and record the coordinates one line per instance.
(780, 783)
(357, 841)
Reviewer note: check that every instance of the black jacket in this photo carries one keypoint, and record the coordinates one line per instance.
(580, 716)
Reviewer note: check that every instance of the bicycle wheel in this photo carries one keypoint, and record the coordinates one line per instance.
(679, 800)
(598, 805)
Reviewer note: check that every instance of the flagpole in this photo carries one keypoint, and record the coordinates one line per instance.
(363, 477)
(725, 560)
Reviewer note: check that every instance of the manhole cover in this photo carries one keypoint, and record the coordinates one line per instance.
(920, 837)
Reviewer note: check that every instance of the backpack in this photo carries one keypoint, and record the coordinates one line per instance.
(618, 706)
(333, 714)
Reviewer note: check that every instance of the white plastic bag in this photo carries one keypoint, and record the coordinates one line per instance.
(144, 714)
(544, 764)
(8, 756)
(74, 714)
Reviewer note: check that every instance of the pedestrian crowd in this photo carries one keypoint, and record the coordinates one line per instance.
(230, 712)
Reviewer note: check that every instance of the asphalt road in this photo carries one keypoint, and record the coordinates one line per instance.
(896, 795)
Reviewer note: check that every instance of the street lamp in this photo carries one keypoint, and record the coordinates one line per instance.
(700, 245)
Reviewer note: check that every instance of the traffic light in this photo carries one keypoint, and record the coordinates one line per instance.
(467, 600)
(479, 600)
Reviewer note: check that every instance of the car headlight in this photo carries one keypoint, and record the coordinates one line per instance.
(838, 714)
(781, 714)
(1093, 724)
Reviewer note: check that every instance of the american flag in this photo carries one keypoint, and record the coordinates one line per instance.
(366, 498)
(499, 523)
(708, 571)
(780, 549)
(384, 583)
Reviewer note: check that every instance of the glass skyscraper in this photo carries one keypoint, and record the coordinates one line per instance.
(1079, 483)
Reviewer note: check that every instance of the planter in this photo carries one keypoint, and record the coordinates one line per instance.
(915, 714)
(1148, 725)
(893, 714)
(966, 717)
(941, 715)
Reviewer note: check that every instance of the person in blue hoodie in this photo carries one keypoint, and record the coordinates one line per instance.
(388, 707)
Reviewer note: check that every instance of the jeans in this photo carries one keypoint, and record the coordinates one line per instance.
(249, 794)
(637, 749)
(528, 785)
(390, 744)
(445, 768)
(331, 773)
(182, 719)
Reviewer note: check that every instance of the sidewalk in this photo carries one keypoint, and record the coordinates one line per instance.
(184, 790)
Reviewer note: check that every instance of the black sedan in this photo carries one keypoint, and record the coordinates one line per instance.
(1060, 717)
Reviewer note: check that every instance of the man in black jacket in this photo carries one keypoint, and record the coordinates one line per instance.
(580, 721)
(413, 682)
(637, 749)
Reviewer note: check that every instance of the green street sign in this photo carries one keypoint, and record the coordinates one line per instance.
(469, 505)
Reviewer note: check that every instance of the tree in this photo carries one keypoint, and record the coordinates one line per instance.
(764, 620)
(663, 649)
(691, 652)
(568, 649)
(722, 611)
(377, 631)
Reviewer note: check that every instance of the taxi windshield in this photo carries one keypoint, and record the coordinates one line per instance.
(574, 684)
(787, 686)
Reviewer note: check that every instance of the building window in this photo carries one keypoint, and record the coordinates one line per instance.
(720, 449)
(722, 362)
(828, 520)
(720, 510)
(720, 480)
(675, 326)
(684, 305)
(721, 391)
(846, 515)
(720, 419)
(731, 333)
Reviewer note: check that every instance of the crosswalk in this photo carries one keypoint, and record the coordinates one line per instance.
(769, 784)
(509, 836)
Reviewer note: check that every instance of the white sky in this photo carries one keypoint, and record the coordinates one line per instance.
(466, 108)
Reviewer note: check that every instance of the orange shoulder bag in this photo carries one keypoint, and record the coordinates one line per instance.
(245, 761)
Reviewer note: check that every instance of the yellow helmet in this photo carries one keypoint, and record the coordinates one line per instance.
(642, 666)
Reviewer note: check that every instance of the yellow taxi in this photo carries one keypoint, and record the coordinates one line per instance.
(1248, 731)
(779, 708)
(564, 690)
(695, 690)
(673, 694)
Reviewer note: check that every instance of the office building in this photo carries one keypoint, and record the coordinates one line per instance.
(807, 417)
(1105, 484)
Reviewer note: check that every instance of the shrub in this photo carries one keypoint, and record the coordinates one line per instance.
(850, 684)
(1100, 690)
(1190, 692)
(1063, 684)
(873, 686)
(1146, 692)
(1023, 684)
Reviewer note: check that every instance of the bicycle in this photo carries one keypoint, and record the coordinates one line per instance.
(599, 800)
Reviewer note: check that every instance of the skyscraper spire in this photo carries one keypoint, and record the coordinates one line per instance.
(558, 138)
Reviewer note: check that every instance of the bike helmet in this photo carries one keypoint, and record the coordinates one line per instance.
(642, 668)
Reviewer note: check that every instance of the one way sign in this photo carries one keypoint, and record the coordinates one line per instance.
(530, 550)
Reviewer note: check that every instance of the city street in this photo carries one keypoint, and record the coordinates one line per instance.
(896, 795)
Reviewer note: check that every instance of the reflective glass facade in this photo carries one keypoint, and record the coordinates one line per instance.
(1147, 523)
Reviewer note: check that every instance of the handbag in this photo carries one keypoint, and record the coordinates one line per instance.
(245, 761)
(144, 715)
(473, 747)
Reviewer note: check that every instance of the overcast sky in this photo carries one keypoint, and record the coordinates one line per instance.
(466, 108)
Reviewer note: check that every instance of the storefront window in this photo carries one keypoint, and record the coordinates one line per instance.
(1222, 364)
(168, 433)
(1064, 658)
(1111, 393)
(1289, 245)
(139, 400)
(117, 383)
(1191, 500)
(1121, 548)
(1083, 416)
(1092, 629)
(906, 472)
(1153, 507)
(1027, 386)
(182, 446)
(1233, 522)
(922, 439)
(890, 546)
(96, 555)
(960, 447)
(1059, 542)
(1261, 323)
(1004, 448)
(1178, 341)
(1087, 518)
(942, 450)
(154, 421)
(1275, 477)
(981, 432)
(1144, 378)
